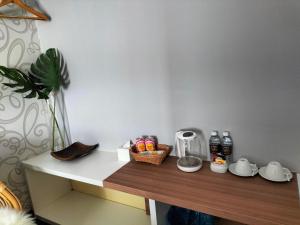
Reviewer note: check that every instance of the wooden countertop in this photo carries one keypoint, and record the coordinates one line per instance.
(246, 200)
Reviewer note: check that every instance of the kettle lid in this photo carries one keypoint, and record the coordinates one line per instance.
(186, 135)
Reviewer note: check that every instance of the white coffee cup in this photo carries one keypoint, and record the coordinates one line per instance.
(243, 167)
(275, 171)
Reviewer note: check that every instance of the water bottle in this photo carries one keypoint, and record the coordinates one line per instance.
(214, 145)
(227, 146)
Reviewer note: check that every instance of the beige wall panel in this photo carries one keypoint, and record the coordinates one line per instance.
(109, 194)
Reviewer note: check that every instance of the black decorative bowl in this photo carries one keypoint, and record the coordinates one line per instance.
(74, 151)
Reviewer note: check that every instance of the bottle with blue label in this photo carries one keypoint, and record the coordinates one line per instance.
(227, 146)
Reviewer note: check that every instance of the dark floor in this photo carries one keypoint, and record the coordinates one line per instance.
(38, 221)
(41, 222)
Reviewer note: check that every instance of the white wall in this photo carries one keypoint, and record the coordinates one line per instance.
(153, 67)
(116, 56)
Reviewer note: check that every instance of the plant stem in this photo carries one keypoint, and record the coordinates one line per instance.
(53, 126)
(61, 106)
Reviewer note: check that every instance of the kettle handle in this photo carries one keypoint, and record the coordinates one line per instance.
(179, 153)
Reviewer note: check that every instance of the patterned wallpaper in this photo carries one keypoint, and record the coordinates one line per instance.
(24, 124)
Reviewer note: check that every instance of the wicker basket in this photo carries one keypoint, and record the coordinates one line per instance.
(8, 199)
(153, 159)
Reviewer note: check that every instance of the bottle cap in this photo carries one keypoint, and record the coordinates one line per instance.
(214, 133)
(225, 133)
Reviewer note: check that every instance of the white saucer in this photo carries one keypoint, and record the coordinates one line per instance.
(233, 171)
(262, 173)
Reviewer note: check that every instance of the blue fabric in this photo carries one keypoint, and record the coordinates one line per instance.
(181, 216)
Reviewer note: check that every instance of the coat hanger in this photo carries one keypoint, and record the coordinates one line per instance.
(38, 15)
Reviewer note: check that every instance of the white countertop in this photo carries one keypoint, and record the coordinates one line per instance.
(91, 169)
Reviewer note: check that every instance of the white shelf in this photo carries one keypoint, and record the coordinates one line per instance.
(91, 169)
(76, 208)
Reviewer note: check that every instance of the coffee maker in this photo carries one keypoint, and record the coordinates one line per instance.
(188, 149)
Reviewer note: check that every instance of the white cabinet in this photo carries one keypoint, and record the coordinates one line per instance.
(53, 199)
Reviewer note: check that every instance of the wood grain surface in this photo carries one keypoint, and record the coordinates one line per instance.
(251, 200)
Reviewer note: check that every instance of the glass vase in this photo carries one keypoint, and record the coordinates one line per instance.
(60, 131)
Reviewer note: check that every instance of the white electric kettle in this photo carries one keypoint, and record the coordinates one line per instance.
(188, 148)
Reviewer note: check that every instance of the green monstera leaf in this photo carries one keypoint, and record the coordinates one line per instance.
(47, 74)
(50, 70)
(23, 84)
